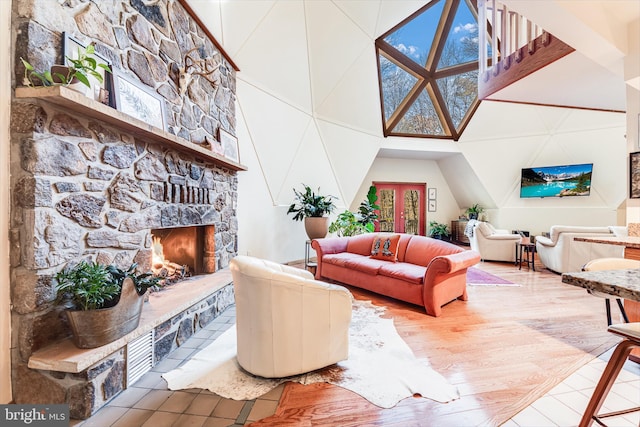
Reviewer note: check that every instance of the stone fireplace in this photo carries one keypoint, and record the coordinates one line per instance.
(88, 183)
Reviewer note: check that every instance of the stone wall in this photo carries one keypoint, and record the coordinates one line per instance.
(83, 189)
(91, 389)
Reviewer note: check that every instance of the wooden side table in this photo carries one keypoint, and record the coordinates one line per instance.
(529, 251)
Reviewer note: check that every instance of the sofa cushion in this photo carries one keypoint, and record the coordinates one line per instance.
(385, 247)
(340, 258)
(355, 262)
(421, 250)
(365, 264)
(486, 228)
(360, 244)
(557, 229)
(401, 270)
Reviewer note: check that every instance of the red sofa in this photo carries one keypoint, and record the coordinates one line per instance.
(428, 272)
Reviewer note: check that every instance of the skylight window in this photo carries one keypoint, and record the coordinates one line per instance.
(428, 71)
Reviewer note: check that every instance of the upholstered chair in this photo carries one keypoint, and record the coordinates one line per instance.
(287, 323)
(561, 253)
(493, 244)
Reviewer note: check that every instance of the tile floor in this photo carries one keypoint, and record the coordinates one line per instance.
(149, 403)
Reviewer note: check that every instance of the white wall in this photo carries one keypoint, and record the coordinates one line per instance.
(420, 171)
(308, 112)
(5, 99)
(632, 76)
(546, 136)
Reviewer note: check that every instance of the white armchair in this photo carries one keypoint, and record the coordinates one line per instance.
(287, 323)
(493, 244)
(561, 253)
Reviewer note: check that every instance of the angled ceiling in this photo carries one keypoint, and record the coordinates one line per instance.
(591, 77)
(308, 94)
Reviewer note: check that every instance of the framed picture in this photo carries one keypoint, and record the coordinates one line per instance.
(432, 193)
(138, 101)
(634, 175)
(102, 92)
(432, 206)
(229, 146)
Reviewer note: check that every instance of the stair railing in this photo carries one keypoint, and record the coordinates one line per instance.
(501, 34)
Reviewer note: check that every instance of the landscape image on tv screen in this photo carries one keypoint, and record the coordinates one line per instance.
(556, 181)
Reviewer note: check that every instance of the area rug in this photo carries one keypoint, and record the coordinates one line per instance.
(478, 277)
(381, 367)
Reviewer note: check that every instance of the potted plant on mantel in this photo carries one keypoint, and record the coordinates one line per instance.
(312, 208)
(103, 303)
(78, 72)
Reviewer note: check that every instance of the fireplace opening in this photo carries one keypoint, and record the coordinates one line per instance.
(183, 251)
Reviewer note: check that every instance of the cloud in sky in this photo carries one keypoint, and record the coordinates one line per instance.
(408, 50)
(470, 27)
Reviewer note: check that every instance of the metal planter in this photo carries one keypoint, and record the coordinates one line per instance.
(95, 328)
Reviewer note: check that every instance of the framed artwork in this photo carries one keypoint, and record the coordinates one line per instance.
(138, 101)
(102, 92)
(432, 205)
(432, 193)
(229, 146)
(634, 175)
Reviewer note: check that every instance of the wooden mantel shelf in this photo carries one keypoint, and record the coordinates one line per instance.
(78, 103)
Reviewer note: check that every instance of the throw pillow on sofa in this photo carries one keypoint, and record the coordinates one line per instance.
(385, 247)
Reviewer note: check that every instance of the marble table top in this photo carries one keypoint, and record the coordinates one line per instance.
(618, 283)
(629, 242)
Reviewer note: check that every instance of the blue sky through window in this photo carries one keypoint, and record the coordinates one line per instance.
(414, 39)
(452, 78)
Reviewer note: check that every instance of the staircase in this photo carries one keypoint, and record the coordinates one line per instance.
(511, 47)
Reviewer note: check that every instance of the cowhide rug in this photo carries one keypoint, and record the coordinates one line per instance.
(381, 367)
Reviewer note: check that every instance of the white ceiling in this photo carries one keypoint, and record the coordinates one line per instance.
(308, 84)
(593, 76)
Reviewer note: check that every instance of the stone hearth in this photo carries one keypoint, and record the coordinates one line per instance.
(88, 186)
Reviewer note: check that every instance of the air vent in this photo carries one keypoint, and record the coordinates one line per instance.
(139, 357)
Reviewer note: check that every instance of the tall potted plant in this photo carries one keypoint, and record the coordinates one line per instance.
(103, 303)
(312, 208)
(349, 223)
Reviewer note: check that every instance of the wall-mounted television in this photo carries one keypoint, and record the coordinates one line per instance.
(556, 181)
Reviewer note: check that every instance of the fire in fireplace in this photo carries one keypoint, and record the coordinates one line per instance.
(183, 251)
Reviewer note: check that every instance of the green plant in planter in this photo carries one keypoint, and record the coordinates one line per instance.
(142, 281)
(474, 211)
(87, 286)
(437, 230)
(79, 69)
(349, 224)
(309, 204)
(103, 303)
(91, 286)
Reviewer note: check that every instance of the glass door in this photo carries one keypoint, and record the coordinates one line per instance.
(402, 207)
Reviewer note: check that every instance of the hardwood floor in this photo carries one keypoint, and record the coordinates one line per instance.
(503, 349)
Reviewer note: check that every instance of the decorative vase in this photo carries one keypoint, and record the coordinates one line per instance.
(95, 328)
(473, 215)
(316, 227)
